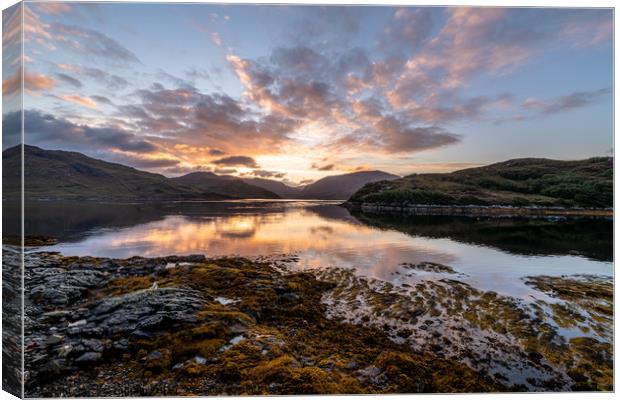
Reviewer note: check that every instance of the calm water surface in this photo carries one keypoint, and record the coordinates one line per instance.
(489, 254)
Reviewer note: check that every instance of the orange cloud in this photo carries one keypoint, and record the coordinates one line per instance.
(83, 101)
(32, 82)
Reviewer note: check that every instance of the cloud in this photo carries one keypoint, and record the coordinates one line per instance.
(47, 130)
(306, 86)
(265, 174)
(53, 8)
(456, 109)
(142, 161)
(216, 39)
(110, 81)
(225, 171)
(69, 80)
(11, 32)
(216, 152)
(326, 167)
(410, 28)
(475, 41)
(567, 102)
(74, 38)
(89, 41)
(333, 24)
(179, 169)
(33, 82)
(102, 99)
(399, 137)
(80, 100)
(216, 121)
(237, 161)
(400, 94)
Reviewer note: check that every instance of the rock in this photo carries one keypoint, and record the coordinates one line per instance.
(289, 297)
(138, 334)
(151, 322)
(54, 367)
(121, 345)
(54, 339)
(89, 358)
(65, 350)
(158, 360)
(369, 373)
(94, 345)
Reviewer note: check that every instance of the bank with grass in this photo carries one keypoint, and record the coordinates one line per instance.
(523, 187)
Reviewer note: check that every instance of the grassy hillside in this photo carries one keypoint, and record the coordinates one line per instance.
(54, 174)
(519, 182)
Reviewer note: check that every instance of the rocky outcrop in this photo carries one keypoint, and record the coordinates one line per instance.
(68, 327)
(195, 326)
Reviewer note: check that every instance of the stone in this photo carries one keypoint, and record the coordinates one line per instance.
(89, 358)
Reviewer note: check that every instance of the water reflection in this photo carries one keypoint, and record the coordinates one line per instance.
(491, 254)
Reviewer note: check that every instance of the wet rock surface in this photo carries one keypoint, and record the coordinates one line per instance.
(11, 320)
(558, 342)
(196, 326)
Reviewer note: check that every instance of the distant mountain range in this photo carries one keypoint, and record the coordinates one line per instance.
(336, 187)
(64, 175)
(224, 185)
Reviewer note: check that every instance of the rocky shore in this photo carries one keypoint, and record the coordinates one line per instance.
(197, 326)
(478, 211)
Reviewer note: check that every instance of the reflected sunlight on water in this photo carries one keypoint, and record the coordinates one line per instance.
(321, 235)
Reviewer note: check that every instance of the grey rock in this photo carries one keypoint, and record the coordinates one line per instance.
(89, 358)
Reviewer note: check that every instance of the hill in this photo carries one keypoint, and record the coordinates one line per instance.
(341, 187)
(224, 185)
(64, 175)
(518, 182)
(281, 189)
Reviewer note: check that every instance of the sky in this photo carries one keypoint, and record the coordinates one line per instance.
(296, 93)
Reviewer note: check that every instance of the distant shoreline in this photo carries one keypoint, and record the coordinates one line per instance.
(497, 211)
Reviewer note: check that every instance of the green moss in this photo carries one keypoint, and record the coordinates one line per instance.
(126, 285)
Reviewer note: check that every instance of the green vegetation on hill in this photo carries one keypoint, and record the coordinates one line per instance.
(519, 182)
(64, 175)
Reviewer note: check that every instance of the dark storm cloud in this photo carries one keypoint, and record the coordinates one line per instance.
(266, 174)
(237, 161)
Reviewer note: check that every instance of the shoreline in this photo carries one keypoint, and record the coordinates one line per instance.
(478, 211)
(181, 325)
